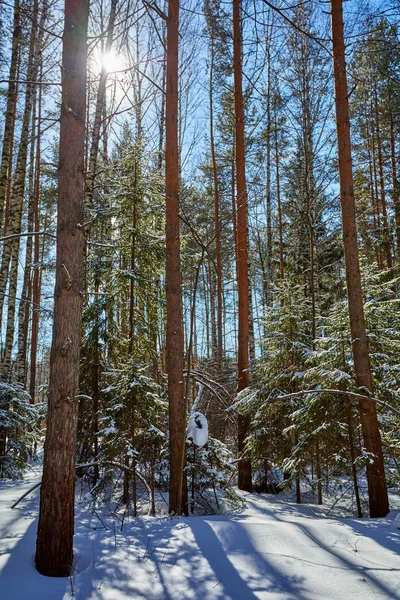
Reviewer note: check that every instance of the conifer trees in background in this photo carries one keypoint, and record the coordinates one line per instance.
(260, 233)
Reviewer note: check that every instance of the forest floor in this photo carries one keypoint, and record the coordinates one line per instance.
(271, 549)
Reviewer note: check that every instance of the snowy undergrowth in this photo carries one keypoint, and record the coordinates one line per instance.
(273, 549)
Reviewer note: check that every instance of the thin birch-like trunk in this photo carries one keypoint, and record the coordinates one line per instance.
(101, 93)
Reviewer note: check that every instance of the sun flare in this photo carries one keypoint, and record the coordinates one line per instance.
(112, 62)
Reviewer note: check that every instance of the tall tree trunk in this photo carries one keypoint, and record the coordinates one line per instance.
(173, 278)
(386, 231)
(36, 281)
(375, 215)
(10, 257)
(101, 92)
(26, 294)
(54, 549)
(244, 469)
(267, 284)
(9, 121)
(377, 203)
(216, 221)
(278, 194)
(378, 497)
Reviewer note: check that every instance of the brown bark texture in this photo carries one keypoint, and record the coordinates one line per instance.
(386, 233)
(217, 224)
(10, 253)
(36, 273)
(54, 550)
(244, 469)
(9, 121)
(378, 498)
(173, 278)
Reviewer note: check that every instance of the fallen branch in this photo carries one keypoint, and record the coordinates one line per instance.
(94, 464)
(26, 494)
(26, 234)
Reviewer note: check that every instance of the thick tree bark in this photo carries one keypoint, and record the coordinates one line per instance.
(173, 278)
(54, 550)
(378, 497)
(244, 470)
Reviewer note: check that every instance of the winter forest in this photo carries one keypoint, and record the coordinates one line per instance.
(199, 299)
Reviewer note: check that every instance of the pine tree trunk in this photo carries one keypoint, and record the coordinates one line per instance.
(377, 203)
(132, 267)
(26, 293)
(9, 121)
(173, 278)
(216, 222)
(54, 549)
(268, 282)
(11, 247)
(244, 469)
(386, 232)
(161, 122)
(36, 281)
(373, 199)
(378, 497)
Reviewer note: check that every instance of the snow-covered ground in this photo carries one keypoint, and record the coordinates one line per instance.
(272, 549)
